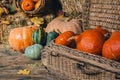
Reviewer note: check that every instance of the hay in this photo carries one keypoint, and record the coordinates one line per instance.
(72, 8)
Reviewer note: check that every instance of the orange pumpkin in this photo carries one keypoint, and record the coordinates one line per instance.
(62, 39)
(27, 5)
(90, 41)
(111, 48)
(20, 38)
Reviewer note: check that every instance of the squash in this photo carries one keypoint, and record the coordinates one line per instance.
(64, 24)
(37, 4)
(27, 5)
(111, 47)
(90, 41)
(39, 36)
(34, 51)
(21, 37)
(51, 36)
(63, 39)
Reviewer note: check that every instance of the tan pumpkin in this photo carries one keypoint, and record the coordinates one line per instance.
(20, 38)
(64, 24)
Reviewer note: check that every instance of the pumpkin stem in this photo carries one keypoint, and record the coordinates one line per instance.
(71, 38)
(78, 38)
(58, 31)
(101, 30)
(71, 42)
(27, 4)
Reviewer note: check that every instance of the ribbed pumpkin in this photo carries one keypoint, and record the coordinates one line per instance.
(20, 38)
(34, 51)
(90, 41)
(51, 35)
(63, 39)
(64, 24)
(39, 36)
(111, 48)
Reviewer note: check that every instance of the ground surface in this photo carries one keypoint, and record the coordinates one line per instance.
(11, 62)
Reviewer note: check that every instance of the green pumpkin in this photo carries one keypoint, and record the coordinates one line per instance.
(39, 36)
(51, 35)
(34, 51)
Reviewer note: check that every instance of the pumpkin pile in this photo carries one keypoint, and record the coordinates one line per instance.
(31, 39)
(67, 32)
(93, 41)
(28, 39)
(90, 41)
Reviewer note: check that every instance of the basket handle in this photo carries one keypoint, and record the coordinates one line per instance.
(86, 69)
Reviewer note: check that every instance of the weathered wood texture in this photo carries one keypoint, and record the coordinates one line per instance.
(11, 62)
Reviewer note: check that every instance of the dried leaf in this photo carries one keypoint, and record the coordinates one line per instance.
(37, 21)
(24, 72)
(3, 10)
(5, 22)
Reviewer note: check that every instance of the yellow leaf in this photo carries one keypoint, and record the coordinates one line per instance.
(37, 21)
(24, 72)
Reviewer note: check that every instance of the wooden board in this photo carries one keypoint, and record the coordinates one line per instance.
(11, 62)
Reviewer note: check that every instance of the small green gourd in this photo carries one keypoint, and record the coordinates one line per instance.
(39, 36)
(51, 36)
(34, 51)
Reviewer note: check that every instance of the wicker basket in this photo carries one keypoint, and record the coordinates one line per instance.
(71, 64)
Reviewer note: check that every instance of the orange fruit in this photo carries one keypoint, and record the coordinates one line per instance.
(27, 5)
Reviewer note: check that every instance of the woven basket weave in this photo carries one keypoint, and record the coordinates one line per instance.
(102, 12)
(71, 64)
